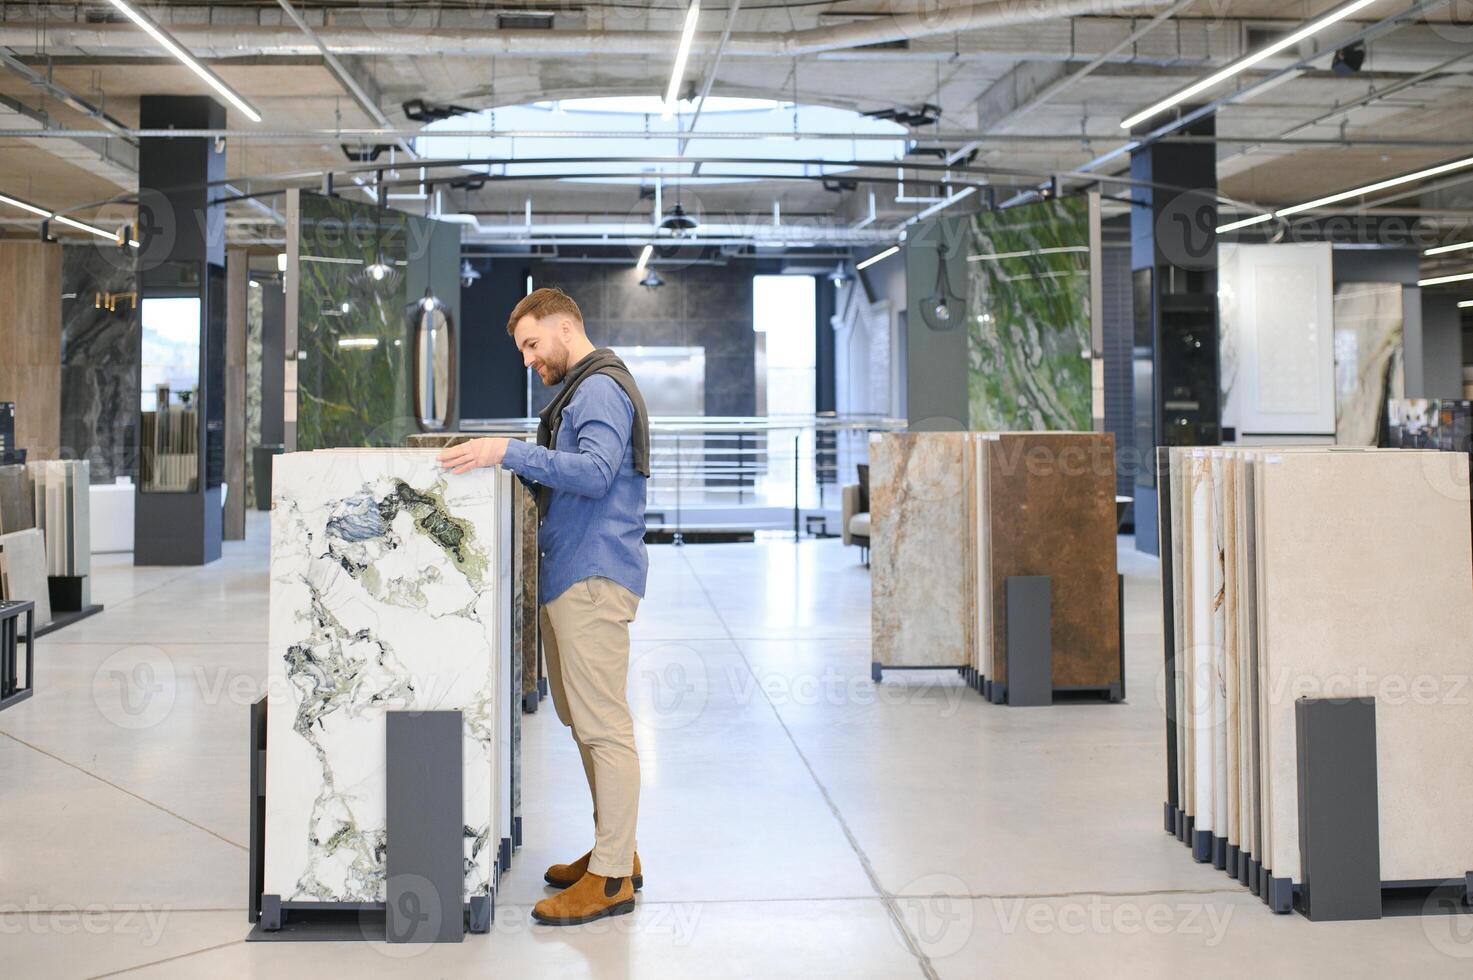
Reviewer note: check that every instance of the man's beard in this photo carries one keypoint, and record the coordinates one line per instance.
(556, 373)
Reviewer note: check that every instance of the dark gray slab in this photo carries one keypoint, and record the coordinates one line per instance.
(1029, 601)
(424, 825)
(1339, 822)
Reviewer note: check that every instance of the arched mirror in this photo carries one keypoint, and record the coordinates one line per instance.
(434, 361)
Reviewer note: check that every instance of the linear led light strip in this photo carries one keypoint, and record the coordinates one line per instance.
(1380, 185)
(1444, 249)
(172, 46)
(878, 256)
(1466, 304)
(53, 216)
(687, 35)
(1248, 61)
(1442, 280)
(1055, 250)
(644, 258)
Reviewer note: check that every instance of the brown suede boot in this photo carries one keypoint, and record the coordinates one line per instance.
(567, 875)
(591, 897)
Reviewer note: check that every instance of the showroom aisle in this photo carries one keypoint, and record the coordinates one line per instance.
(796, 820)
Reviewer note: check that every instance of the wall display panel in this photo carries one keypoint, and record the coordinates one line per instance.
(1369, 359)
(1029, 317)
(1277, 339)
(99, 359)
(386, 594)
(361, 279)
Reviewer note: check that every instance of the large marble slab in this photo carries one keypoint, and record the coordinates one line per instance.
(1028, 315)
(526, 554)
(1386, 612)
(17, 507)
(1369, 359)
(100, 360)
(1050, 510)
(918, 507)
(386, 592)
(23, 554)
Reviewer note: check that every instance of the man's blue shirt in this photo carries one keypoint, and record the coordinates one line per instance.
(594, 525)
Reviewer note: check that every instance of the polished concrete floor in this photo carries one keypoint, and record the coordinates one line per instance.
(796, 820)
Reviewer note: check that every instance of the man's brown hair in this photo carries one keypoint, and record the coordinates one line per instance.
(541, 304)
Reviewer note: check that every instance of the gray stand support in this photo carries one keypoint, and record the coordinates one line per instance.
(257, 863)
(425, 827)
(1339, 823)
(1029, 603)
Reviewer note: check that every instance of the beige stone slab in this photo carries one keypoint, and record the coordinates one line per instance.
(1366, 589)
(918, 507)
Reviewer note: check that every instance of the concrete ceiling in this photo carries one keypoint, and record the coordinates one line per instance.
(1010, 74)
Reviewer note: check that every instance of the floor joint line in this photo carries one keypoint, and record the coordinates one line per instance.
(892, 908)
(108, 782)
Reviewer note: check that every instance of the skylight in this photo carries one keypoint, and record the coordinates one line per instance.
(770, 125)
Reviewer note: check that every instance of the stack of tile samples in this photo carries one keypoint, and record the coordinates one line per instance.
(1045, 505)
(61, 492)
(1317, 573)
(955, 514)
(391, 590)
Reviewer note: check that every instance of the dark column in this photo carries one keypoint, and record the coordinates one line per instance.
(181, 284)
(1173, 253)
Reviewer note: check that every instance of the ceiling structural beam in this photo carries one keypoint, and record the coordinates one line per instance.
(1242, 159)
(1041, 92)
(950, 138)
(710, 75)
(68, 98)
(113, 160)
(345, 76)
(1386, 25)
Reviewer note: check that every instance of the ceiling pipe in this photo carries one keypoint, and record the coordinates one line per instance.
(387, 38)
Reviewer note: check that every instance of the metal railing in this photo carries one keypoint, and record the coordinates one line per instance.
(736, 474)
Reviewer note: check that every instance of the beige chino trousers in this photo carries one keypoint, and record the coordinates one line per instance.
(585, 639)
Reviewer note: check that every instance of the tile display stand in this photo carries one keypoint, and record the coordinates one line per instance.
(1035, 618)
(1337, 802)
(13, 688)
(409, 748)
(70, 601)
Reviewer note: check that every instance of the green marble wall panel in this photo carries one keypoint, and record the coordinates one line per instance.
(1028, 317)
(363, 270)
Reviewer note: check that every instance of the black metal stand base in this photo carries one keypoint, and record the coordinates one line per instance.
(1219, 853)
(542, 687)
(1245, 861)
(1170, 812)
(1280, 895)
(1201, 846)
(65, 619)
(529, 703)
(336, 922)
(1230, 865)
(1255, 876)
